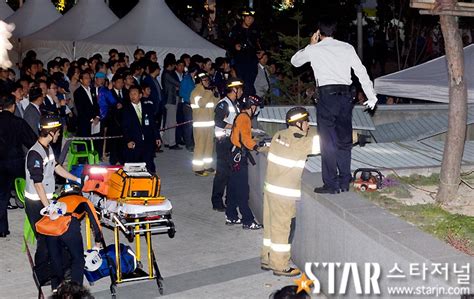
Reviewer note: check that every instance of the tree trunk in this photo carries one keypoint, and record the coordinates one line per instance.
(454, 145)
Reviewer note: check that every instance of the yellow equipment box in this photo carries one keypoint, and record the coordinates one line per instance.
(135, 185)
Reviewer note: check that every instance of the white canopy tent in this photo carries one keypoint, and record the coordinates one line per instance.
(150, 25)
(5, 10)
(86, 18)
(32, 16)
(427, 81)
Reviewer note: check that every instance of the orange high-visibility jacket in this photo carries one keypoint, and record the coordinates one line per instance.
(242, 132)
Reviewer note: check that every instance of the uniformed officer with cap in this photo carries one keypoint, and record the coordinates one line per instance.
(286, 161)
(40, 183)
(332, 62)
(224, 115)
(244, 44)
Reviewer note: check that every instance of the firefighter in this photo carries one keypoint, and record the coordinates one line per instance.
(242, 145)
(244, 43)
(40, 185)
(286, 160)
(203, 102)
(224, 115)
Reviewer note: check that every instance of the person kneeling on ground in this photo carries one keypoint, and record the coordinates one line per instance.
(241, 138)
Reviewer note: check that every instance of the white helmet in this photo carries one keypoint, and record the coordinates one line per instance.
(92, 259)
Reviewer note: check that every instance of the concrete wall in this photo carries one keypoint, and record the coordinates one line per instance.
(347, 228)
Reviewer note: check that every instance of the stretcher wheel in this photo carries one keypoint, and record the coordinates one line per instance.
(171, 230)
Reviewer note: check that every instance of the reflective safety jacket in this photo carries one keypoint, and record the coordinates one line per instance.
(286, 161)
(203, 102)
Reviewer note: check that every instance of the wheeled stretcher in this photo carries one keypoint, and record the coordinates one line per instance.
(136, 208)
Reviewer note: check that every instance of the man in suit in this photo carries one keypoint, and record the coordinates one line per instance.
(140, 133)
(88, 111)
(17, 93)
(155, 87)
(32, 113)
(262, 81)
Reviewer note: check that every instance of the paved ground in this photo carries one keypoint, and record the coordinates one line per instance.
(206, 259)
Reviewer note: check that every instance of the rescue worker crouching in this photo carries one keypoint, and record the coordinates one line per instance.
(224, 115)
(40, 167)
(286, 161)
(203, 101)
(75, 207)
(238, 190)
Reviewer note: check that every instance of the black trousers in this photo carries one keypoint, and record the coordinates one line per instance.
(42, 265)
(188, 128)
(238, 194)
(247, 69)
(72, 240)
(9, 170)
(334, 117)
(223, 171)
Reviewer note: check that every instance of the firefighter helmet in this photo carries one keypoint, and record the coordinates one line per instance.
(234, 82)
(50, 122)
(247, 11)
(249, 101)
(201, 75)
(295, 115)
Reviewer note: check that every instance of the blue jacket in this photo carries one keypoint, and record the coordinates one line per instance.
(106, 99)
(187, 86)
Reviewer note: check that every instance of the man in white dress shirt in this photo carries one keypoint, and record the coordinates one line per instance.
(332, 61)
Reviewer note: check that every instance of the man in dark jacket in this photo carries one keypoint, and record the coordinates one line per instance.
(171, 84)
(140, 133)
(33, 111)
(12, 156)
(87, 107)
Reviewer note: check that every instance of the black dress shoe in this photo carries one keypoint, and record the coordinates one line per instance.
(175, 147)
(325, 190)
(222, 209)
(4, 234)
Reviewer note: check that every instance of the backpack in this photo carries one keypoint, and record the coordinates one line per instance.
(128, 262)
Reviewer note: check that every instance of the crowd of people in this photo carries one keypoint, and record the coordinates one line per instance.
(195, 102)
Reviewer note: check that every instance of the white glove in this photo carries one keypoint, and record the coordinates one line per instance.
(79, 181)
(371, 103)
(54, 210)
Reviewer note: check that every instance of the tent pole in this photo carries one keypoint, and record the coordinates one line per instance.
(73, 50)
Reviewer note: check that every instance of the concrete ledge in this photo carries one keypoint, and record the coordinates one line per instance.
(347, 228)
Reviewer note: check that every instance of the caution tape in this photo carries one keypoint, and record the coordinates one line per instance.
(119, 136)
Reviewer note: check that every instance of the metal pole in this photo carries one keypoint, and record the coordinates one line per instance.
(359, 32)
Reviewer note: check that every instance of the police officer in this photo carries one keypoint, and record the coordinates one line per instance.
(286, 161)
(14, 134)
(224, 115)
(242, 145)
(244, 44)
(203, 101)
(332, 61)
(40, 183)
